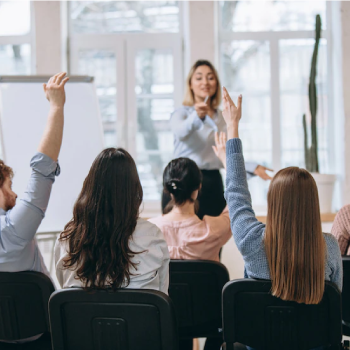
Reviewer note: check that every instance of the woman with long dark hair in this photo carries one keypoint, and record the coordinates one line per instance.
(290, 249)
(194, 125)
(107, 244)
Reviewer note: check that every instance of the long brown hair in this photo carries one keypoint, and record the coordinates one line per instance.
(189, 97)
(294, 243)
(104, 219)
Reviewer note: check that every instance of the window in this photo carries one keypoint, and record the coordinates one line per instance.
(138, 78)
(15, 38)
(265, 51)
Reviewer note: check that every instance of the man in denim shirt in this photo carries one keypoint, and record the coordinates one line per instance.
(20, 221)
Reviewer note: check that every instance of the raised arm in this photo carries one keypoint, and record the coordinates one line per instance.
(184, 124)
(52, 139)
(24, 219)
(247, 230)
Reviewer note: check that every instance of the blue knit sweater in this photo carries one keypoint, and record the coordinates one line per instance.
(248, 232)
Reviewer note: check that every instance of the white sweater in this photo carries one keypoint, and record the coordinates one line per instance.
(152, 271)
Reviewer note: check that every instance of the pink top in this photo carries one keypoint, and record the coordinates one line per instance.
(194, 238)
(341, 229)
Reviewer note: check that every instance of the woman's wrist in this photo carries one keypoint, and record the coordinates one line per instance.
(232, 131)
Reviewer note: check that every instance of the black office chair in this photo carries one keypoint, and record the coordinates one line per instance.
(24, 298)
(252, 316)
(195, 288)
(346, 295)
(127, 319)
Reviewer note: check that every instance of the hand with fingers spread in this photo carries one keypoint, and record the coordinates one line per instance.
(220, 147)
(54, 90)
(261, 172)
(232, 114)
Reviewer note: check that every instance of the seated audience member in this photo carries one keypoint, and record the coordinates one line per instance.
(341, 229)
(19, 222)
(107, 244)
(290, 249)
(187, 236)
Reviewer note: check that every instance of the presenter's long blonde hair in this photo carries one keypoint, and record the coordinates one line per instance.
(294, 243)
(189, 96)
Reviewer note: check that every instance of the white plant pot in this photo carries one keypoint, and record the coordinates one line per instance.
(325, 184)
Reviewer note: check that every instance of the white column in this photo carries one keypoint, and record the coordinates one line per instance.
(341, 86)
(199, 32)
(48, 39)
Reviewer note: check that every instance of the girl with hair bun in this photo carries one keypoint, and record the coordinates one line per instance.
(188, 236)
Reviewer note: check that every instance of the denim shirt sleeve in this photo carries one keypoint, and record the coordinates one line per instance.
(183, 123)
(247, 231)
(21, 222)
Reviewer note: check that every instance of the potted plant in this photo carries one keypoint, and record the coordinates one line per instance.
(325, 182)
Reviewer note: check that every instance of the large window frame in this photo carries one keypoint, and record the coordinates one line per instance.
(273, 38)
(28, 39)
(125, 47)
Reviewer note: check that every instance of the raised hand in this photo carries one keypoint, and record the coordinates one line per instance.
(220, 147)
(54, 90)
(261, 172)
(231, 113)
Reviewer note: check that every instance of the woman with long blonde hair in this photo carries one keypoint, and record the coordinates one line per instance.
(291, 249)
(194, 125)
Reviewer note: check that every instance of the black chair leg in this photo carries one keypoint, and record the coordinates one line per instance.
(229, 346)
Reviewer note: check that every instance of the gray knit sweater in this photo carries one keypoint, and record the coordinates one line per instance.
(248, 232)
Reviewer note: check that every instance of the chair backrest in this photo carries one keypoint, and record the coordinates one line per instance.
(252, 316)
(346, 289)
(127, 319)
(195, 288)
(24, 298)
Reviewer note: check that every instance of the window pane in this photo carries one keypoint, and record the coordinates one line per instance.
(246, 70)
(254, 16)
(154, 142)
(295, 63)
(102, 65)
(124, 16)
(14, 17)
(15, 59)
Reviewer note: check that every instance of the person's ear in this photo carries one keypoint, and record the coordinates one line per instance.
(2, 199)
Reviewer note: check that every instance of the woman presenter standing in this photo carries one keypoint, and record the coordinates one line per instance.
(194, 125)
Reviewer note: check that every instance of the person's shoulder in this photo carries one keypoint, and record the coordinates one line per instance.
(344, 212)
(146, 228)
(331, 241)
(156, 220)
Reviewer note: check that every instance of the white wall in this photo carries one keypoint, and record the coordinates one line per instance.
(341, 87)
(199, 31)
(48, 39)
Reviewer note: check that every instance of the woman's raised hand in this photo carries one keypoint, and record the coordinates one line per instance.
(232, 114)
(220, 147)
(54, 90)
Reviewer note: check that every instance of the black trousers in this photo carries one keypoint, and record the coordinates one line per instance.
(211, 196)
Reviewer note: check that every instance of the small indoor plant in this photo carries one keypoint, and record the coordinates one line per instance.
(325, 182)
